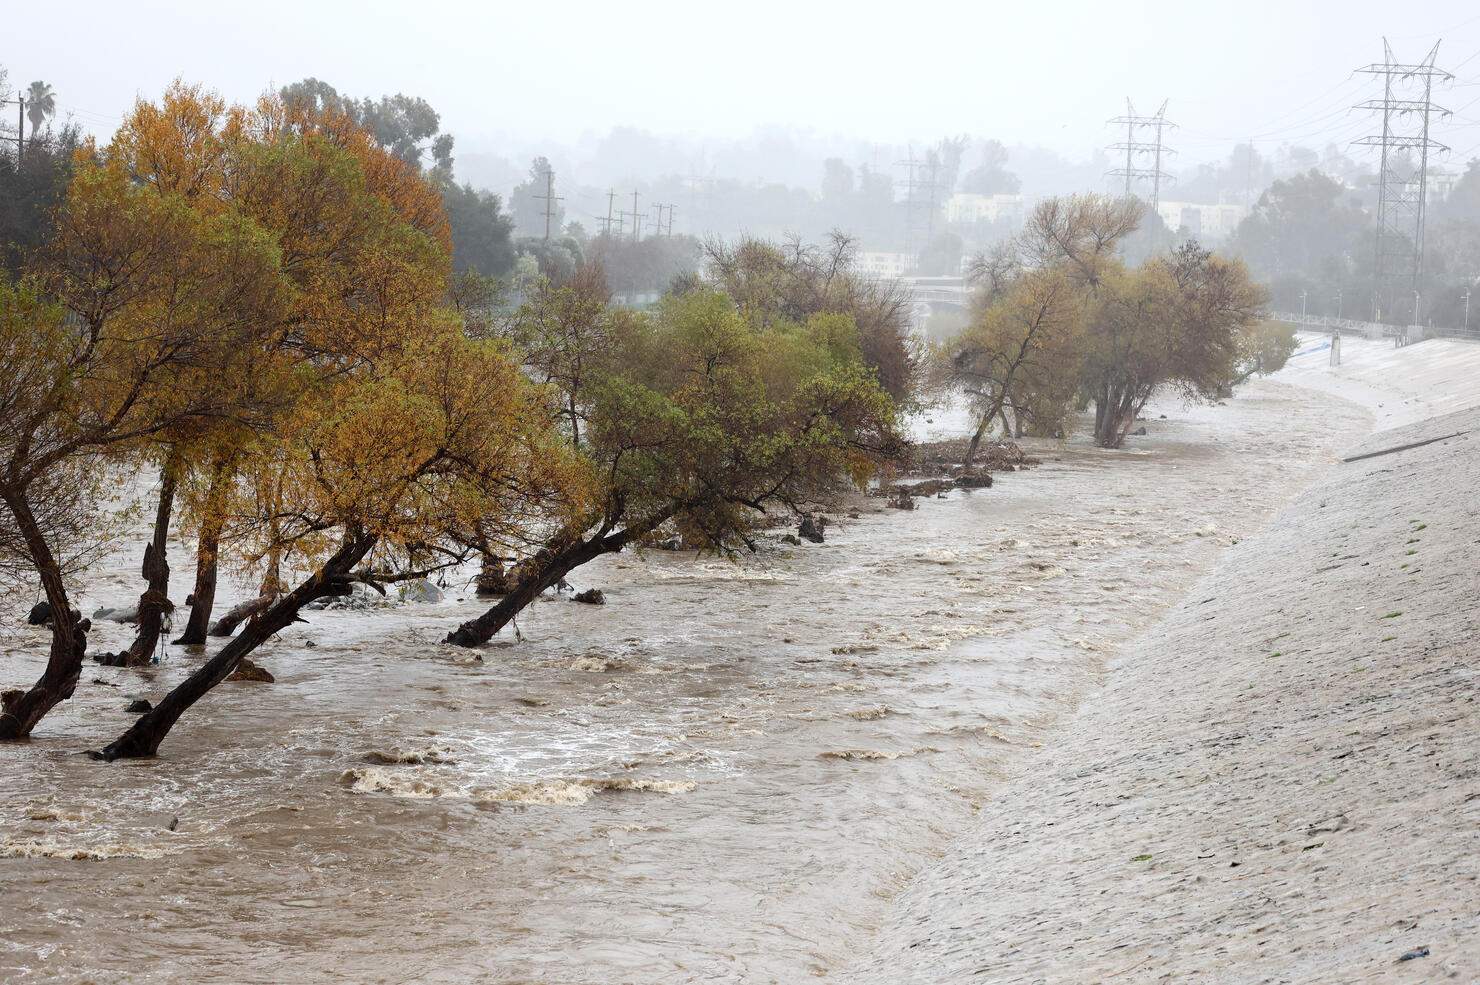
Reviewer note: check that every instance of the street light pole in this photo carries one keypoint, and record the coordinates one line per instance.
(1302, 307)
(1467, 311)
(1338, 305)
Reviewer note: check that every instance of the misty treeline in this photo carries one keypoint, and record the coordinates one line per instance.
(1313, 237)
(258, 306)
(1060, 322)
(519, 243)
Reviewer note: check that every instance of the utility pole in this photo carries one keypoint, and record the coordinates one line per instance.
(1467, 312)
(636, 216)
(611, 197)
(549, 198)
(1249, 176)
(1402, 189)
(1155, 147)
(1338, 304)
(1302, 307)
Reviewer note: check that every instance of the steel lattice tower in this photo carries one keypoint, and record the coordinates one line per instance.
(1402, 183)
(1132, 147)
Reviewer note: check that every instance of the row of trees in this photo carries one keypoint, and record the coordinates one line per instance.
(1061, 323)
(1314, 240)
(260, 305)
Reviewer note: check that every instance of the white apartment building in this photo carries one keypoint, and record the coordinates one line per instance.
(885, 266)
(969, 209)
(1207, 222)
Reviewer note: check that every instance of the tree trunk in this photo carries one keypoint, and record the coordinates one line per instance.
(227, 624)
(207, 554)
(981, 429)
(1116, 409)
(155, 602)
(548, 571)
(21, 710)
(145, 735)
(492, 579)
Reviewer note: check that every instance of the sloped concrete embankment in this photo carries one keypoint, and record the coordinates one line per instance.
(1280, 783)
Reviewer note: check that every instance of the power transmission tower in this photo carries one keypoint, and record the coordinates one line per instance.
(701, 198)
(919, 197)
(909, 202)
(549, 198)
(1402, 183)
(1159, 124)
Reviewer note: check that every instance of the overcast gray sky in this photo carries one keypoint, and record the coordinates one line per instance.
(1046, 73)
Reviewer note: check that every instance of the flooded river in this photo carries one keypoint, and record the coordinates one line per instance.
(724, 774)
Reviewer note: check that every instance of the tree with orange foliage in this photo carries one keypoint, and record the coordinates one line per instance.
(358, 229)
(389, 464)
(137, 290)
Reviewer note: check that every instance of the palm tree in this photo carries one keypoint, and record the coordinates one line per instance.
(41, 102)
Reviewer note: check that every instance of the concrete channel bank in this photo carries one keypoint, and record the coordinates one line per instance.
(1281, 781)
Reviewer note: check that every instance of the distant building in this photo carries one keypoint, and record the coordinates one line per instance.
(1441, 184)
(1206, 222)
(969, 209)
(884, 266)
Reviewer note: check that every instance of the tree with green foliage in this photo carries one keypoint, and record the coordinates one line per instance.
(698, 418)
(527, 204)
(1020, 354)
(31, 185)
(647, 266)
(792, 281)
(482, 234)
(1308, 235)
(407, 126)
(41, 103)
(1175, 323)
(991, 177)
(941, 256)
(1059, 315)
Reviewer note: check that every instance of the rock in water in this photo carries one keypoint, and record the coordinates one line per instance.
(40, 614)
(591, 596)
(421, 590)
(248, 671)
(1141, 431)
(138, 706)
(810, 529)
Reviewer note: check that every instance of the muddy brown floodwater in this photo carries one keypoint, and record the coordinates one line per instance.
(723, 774)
